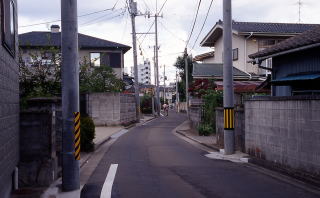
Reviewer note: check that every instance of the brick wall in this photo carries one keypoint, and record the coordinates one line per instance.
(9, 118)
(285, 131)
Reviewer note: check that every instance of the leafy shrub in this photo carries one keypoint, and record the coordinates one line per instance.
(87, 134)
(211, 100)
(205, 129)
(146, 104)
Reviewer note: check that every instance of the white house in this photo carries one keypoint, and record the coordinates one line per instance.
(248, 38)
(95, 50)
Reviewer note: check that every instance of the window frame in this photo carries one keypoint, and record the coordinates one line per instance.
(235, 58)
(12, 16)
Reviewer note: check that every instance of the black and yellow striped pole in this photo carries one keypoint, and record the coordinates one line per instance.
(77, 135)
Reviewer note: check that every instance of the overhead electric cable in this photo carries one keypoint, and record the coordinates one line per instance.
(205, 20)
(174, 35)
(194, 23)
(100, 17)
(83, 15)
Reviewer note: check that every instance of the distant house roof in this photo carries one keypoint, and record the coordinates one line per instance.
(215, 71)
(257, 28)
(45, 39)
(201, 57)
(308, 39)
(244, 86)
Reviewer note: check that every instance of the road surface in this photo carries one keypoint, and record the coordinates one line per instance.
(151, 162)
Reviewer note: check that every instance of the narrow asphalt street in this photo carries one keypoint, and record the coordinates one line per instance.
(155, 163)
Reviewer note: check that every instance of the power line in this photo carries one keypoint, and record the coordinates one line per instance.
(146, 5)
(174, 35)
(162, 6)
(100, 17)
(145, 34)
(205, 20)
(83, 15)
(171, 54)
(58, 20)
(125, 26)
(194, 23)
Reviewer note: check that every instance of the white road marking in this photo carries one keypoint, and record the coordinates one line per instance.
(107, 186)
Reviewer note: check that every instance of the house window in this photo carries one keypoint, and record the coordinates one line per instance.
(105, 59)
(235, 54)
(266, 43)
(8, 25)
(95, 59)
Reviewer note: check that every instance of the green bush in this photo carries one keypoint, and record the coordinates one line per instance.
(87, 132)
(205, 129)
(211, 100)
(146, 104)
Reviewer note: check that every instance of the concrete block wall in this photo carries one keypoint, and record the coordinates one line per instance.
(285, 131)
(195, 112)
(104, 108)
(9, 116)
(38, 164)
(127, 109)
(107, 109)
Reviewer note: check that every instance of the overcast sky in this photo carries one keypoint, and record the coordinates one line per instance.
(174, 27)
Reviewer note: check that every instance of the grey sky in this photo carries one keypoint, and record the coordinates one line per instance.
(177, 18)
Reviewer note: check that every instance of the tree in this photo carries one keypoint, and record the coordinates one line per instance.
(180, 64)
(41, 76)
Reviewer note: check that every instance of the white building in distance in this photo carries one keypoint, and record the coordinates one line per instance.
(144, 72)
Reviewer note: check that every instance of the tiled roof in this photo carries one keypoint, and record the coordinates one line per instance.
(44, 39)
(310, 37)
(243, 86)
(213, 70)
(257, 28)
(290, 28)
(201, 57)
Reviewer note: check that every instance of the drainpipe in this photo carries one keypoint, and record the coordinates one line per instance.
(245, 51)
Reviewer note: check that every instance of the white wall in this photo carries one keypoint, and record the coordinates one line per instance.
(237, 42)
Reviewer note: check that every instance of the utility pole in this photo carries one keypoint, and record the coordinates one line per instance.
(155, 79)
(70, 93)
(164, 83)
(157, 63)
(177, 92)
(228, 93)
(187, 79)
(133, 13)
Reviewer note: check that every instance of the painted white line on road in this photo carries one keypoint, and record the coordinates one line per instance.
(107, 186)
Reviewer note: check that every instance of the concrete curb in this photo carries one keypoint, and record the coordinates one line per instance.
(197, 141)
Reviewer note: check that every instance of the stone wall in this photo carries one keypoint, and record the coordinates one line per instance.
(127, 109)
(108, 109)
(195, 112)
(286, 132)
(39, 140)
(9, 115)
(239, 128)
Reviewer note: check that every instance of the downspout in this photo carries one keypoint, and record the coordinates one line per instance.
(245, 53)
